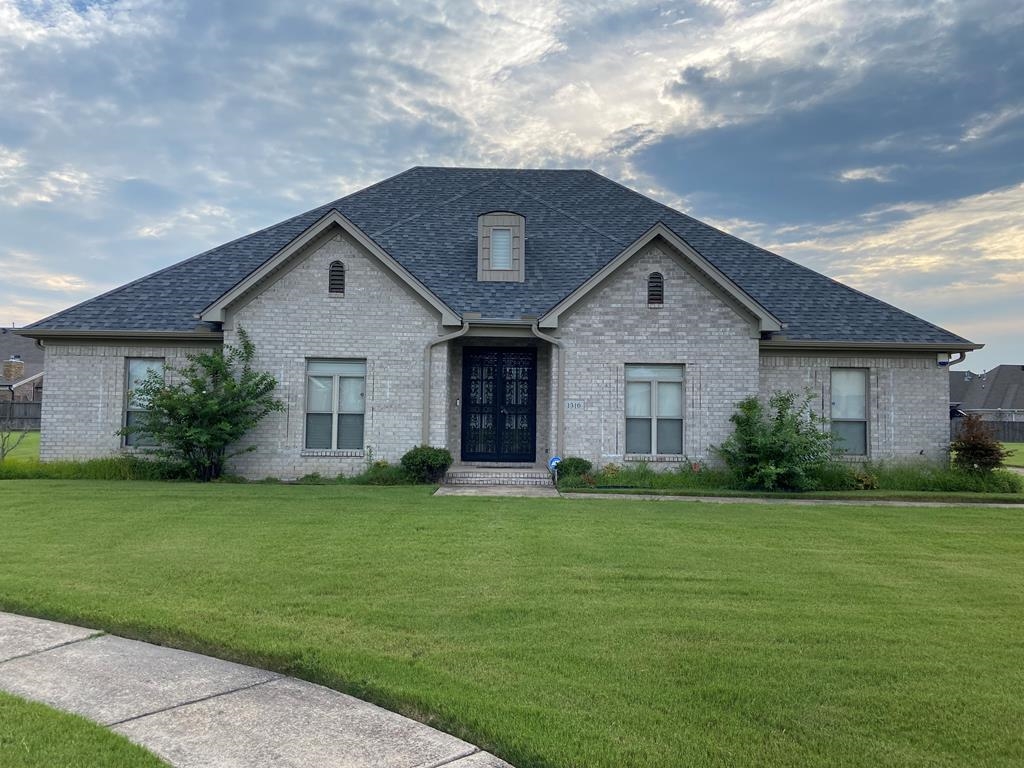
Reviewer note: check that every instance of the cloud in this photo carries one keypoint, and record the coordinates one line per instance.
(987, 123)
(879, 173)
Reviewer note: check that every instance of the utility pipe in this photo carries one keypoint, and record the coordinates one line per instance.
(560, 388)
(425, 425)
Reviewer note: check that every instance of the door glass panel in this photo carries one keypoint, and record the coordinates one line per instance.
(670, 436)
(638, 398)
(848, 393)
(350, 397)
(670, 400)
(638, 435)
(319, 394)
(850, 437)
(318, 430)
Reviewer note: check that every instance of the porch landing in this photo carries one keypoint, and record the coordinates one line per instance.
(498, 475)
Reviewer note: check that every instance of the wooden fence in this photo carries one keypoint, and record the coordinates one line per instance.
(20, 415)
(1005, 431)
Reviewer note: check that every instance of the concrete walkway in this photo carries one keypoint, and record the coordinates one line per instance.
(793, 502)
(198, 712)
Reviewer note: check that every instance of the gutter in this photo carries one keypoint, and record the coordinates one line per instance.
(47, 333)
(560, 387)
(427, 349)
(889, 346)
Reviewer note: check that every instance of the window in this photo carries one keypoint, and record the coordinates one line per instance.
(849, 410)
(655, 289)
(654, 409)
(136, 371)
(501, 248)
(336, 279)
(335, 404)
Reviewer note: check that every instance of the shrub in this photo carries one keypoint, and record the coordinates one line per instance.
(425, 464)
(381, 473)
(219, 398)
(927, 476)
(976, 448)
(781, 447)
(573, 466)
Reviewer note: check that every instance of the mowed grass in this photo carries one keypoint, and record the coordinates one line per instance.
(1016, 458)
(35, 736)
(27, 450)
(567, 633)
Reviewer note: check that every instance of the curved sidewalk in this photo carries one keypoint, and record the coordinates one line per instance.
(198, 712)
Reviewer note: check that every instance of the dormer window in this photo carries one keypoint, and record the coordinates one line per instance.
(501, 253)
(501, 248)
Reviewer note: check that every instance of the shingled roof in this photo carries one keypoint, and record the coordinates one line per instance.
(576, 222)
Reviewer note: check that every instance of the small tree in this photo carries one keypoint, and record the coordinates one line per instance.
(218, 399)
(782, 447)
(10, 438)
(976, 448)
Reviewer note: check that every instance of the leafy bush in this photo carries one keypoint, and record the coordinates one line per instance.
(381, 473)
(976, 448)
(782, 447)
(573, 466)
(112, 468)
(219, 398)
(425, 464)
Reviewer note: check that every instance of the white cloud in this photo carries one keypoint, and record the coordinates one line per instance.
(986, 123)
(203, 218)
(879, 173)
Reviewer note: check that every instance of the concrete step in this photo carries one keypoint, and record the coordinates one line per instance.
(492, 477)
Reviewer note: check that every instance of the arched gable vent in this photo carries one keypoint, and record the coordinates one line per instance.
(336, 279)
(655, 288)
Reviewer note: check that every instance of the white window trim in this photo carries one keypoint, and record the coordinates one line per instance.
(867, 401)
(654, 455)
(335, 411)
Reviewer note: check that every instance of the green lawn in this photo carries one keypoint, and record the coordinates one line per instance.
(27, 450)
(35, 736)
(1016, 458)
(565, 633)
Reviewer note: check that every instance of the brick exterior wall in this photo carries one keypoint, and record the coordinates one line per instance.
(378, 319)
(908, 397)
(85, 398)
(695, 327)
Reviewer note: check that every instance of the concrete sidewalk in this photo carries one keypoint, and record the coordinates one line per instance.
(198, 712)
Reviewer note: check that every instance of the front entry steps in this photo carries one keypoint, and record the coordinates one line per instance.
(463, 474)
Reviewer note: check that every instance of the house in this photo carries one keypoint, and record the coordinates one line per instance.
(21, 367)
(995, 395)
(509, 315)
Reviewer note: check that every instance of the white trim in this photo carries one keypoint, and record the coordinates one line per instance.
(766, 320)
(215, 311)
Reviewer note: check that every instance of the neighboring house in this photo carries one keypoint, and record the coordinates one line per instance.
(995, 395)
(509, 315)
(21, 367)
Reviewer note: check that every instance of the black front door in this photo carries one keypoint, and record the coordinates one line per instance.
(499, 404)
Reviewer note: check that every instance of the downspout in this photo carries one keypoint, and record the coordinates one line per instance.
(560, 387)
(961, 356)
(425, 425)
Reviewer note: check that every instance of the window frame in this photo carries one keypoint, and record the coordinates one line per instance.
(655, 417)
(865, 420)
(337, 410)
(137, 440)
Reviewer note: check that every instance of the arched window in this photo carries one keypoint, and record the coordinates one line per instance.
(336, 281)
(655, 288)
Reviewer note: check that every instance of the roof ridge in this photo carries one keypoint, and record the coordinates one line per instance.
(208, 251)
(770, 253)
(427, 210)
(562, 212)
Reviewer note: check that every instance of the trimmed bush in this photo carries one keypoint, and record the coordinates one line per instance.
(425, 464)
(573, 466)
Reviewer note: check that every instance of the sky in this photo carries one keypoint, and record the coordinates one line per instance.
(881, 143)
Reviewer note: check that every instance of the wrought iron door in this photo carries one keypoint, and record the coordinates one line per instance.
(499, 404)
